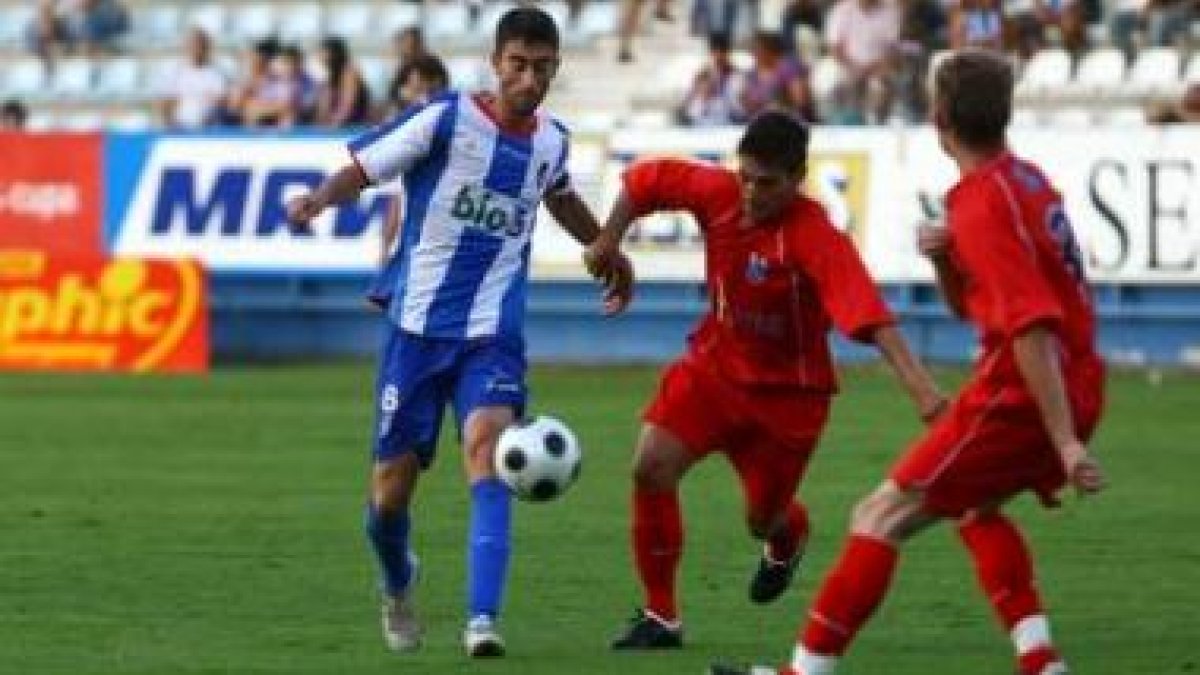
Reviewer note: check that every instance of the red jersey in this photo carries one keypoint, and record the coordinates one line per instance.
(1013, 244)
(775, 287)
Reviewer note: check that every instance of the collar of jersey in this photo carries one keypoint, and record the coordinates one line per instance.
(485, 104)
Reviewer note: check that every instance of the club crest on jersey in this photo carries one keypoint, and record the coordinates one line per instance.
(757, 268)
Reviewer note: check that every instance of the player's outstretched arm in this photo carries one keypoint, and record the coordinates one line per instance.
(917, 381)
(617, 274)
(1035, 350)
(342, 186)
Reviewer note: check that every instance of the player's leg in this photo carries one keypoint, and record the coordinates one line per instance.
(409, 405)
(686, 418)
(1004, 568)
(770, 473)
(660, 462)
(489, 396)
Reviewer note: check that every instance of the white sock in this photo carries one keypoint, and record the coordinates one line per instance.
(807, 663)
(1030, 633)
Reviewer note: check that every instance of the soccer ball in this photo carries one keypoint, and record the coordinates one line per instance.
(538, 458)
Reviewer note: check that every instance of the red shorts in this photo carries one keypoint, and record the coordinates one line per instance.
(767, 434)
(989, 447)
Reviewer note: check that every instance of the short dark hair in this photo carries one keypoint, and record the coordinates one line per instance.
(719, 42)
(526, 24)
(16, 111)
(973, 89)
(778, 140)
(429, 67)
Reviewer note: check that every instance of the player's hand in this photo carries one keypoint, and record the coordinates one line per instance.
(1082, 468)
(301, 210)
(618, 286)
(601, 256)
(933, 241)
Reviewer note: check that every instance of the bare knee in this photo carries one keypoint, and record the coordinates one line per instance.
(392, 483)
(660, 462)
(483, 429)
(890, 514)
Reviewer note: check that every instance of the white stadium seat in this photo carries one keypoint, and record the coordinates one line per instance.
(1024, 118)
(119, 78)
(88, 120)
(1192, 74)
(376, 72)
(492, 11)
(13, 22)
(302, 23)
(396, 16)
(158, 24)
(254, 21)
(352, 19)
(826, 74)
(1046, 72)
(1072, 118)
(1100, 73)
(445, 20)
(1125, 116)
(211, 17)
(73, 78)
(137, 120)
(1156, 71)
(599, 17)
(25, 77)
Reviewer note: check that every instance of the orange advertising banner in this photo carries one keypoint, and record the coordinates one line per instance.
(92, 313)
(50, 192)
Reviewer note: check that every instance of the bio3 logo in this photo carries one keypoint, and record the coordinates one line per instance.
(488, 211)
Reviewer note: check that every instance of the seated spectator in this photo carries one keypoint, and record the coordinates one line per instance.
(977, 23)
(47, 36)
(714, 98)
(255, 79)
(1128, 25)
(13, 115)
(1184, 111)
(407, 45)
(425, 77)
(95, 24)
(631, 19)
(1168, 21)
(863, 35)
(344, 99)
(286, 97)
(195, 91)
(776, 81)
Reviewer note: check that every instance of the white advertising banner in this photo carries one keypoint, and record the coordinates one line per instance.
(1132, 195)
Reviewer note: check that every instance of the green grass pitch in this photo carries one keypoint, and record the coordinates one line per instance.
(212, 525)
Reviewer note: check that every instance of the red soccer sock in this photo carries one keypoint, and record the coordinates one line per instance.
(784, 546)
(657, 547)
(856, 586)
(1003, 567)
(1005, 571)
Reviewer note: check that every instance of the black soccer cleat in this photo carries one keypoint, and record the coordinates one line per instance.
(772, 579)
(647, 632)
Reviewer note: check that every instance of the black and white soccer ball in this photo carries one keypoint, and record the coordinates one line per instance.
(538, 458)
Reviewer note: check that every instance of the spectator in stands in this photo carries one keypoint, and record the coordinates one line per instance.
(88, 26)
(13, 115)
(1128, 25)
(716, 16)
(863, 35)
(977, 23)
(287, 97)
(777, 80)
(408, 44)
(631, 18)
(255, 81)
(1184, 111)
(344, 99)
(714, 98)
(1168, 21)
(194, 92)
(47, 34)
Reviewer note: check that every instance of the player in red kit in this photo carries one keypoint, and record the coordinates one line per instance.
(756, 380)
(1009, 263)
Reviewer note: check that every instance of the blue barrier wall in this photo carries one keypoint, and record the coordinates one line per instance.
(261, 317)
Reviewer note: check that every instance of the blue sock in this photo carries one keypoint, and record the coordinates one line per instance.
(389, 538)
(487, 546)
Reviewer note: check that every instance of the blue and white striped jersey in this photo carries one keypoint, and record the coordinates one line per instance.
(471, 194)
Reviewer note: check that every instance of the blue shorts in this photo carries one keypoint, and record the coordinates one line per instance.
(419, 376)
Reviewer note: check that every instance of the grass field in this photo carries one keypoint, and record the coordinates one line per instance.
(212, 525)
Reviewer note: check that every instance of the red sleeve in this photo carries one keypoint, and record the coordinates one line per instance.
(999, 255)
(847, 292)
(671, 185)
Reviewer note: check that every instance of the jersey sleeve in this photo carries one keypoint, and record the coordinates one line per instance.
(847, 291)
(560, 176)
(997, 253)
(393, 148)
(670, 185)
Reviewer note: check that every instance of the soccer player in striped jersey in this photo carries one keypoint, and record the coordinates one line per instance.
(475, 168)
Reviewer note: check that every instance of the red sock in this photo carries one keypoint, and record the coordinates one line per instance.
(657, 547)
(856, 586)
(783, 546)
(1032, 662)
(1003, 566)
